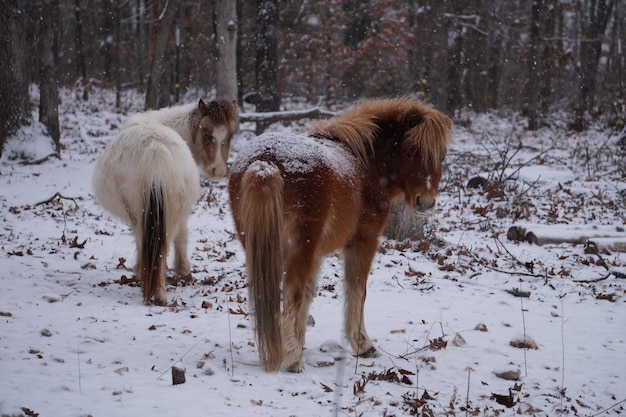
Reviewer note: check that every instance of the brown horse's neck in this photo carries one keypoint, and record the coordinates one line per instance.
(387, 146)
(385, 150)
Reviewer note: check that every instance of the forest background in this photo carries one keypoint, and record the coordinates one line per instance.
(537, 57)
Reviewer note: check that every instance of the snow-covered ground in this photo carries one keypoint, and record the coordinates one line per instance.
(445, 312)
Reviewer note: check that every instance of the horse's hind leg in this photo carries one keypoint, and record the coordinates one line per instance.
(181, 261)
(157, 288)
(358, 260)
(160, 288)
(298, 291)
(309, 293)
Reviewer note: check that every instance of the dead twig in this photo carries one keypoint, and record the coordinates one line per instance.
(502, 271)
(527, 265)
(592, 280)
(41, 160)
(60, 196)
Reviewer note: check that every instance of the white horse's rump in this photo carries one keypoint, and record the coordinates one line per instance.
(146, 173)
(147, 177)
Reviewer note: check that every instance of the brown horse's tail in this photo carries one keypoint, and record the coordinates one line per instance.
(152, 263)
(261, 215)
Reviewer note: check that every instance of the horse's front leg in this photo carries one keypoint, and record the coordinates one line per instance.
(358, 260)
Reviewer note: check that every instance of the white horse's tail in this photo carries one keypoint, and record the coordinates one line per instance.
(151, 265)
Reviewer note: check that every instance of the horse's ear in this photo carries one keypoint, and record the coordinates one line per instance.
(202, 107)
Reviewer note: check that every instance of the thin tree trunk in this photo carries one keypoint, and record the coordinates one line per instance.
(81, 66)
(534, 75)
(14, 105)
(549, 21)
(226, 30)
(455, 52)
(596, 16)
(80, 43)
(157, 95)
(267, 58)
(141, 44)
(48, 90)
(107, 37)
(116, 54)
(476, 52)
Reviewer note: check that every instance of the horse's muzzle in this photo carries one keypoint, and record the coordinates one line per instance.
(423, 205)
(218, 171)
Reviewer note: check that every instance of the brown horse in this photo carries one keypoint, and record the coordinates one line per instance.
(147, 177)
(297, 198)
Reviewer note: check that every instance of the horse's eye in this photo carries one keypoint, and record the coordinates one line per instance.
(409, 155)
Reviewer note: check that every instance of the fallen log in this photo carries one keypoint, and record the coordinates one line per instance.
(279, 116)
(612, 239)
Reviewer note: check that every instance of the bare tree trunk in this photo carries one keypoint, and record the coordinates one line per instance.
(81, 66)
(455, 56)
(549, 22)
(476, 52)
(615, 61)
(267, 58)
(403, 225)
(455, 53)
(595, 16)
(141, 43)
(495, 56)
(226, 29)
(80, 43)
(48, 90)
(157, 95)
(14, 105)
(116, 56)
(107, 38)
(534, 75)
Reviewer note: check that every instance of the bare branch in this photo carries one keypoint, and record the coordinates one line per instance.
(41, 160)
(57, 194)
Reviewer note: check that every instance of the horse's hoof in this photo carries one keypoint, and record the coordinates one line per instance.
(185, 278)
(160, 301)
(370, 353)
(296, 367)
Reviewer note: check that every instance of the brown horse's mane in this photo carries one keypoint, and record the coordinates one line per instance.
(428, 130)
(220, 112)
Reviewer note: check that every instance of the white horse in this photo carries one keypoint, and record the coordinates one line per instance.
(147, 177)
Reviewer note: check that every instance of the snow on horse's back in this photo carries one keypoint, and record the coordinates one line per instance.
(147, 177)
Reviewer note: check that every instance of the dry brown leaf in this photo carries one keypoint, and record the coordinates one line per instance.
(437, 344)
(505, 400)
(359, 386)
(74, 243)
